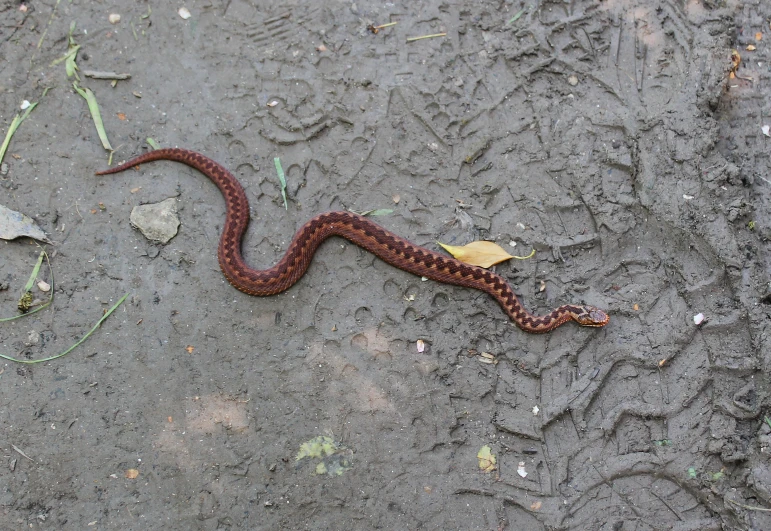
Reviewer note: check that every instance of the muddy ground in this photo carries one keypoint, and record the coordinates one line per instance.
(608, 136)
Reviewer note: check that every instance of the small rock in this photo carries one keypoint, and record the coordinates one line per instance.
(573, 80)
(157, 221)
(33, 338)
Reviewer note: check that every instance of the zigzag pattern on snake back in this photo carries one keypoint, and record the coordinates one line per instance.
(359, 230)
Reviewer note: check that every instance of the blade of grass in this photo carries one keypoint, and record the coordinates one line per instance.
(413, 39)
(153, 144)
(35, 271)
(69, 57)
(93, 107)
(50, 20)
(515, 17)
(15, 123)
(281, 178)
(50, 299)
(81, 340)
(377, 212)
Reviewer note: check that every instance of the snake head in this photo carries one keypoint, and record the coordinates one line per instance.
(591, 316)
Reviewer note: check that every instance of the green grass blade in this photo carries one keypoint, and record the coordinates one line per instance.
(153, 144)
(35, 271)
(73, 347)
(513, 19)
(42, 306)
(93, 107)
(281, 178)
(15, 123)
(378, 212)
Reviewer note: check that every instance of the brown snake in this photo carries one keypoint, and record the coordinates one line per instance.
(359, 230)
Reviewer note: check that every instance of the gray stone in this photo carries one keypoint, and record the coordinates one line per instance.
(157, 221)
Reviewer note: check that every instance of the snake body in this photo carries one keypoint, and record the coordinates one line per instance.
(361, 231)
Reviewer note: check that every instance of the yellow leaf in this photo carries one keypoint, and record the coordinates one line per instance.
(482, 254)
(321, 446)
(486, 459)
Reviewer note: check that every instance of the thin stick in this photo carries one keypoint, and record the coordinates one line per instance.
(749, 507)
(412, 39)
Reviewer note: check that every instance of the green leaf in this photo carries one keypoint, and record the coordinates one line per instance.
(378, 212)
(93, 107)
(35, 271)
(15, 123)
(515, 17)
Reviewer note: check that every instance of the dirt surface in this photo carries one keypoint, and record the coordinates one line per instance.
(606, 135)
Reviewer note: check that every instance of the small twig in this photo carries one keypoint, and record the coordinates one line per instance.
(748, 507)
(411, 39)
(385, 25)
(105, 75)
(22, 453)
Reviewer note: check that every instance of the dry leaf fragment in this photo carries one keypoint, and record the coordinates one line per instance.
(170, 420)
(758, 36)
(486, 459)
(321, 48)
(132, 473)
(480, 253)
(636, 307)
(190, 349)
(421, 345)
(396, 199)
(542, 287)
(736, 60)
(535, 506)
(121, 116)
(135, 190)
(751, 48)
